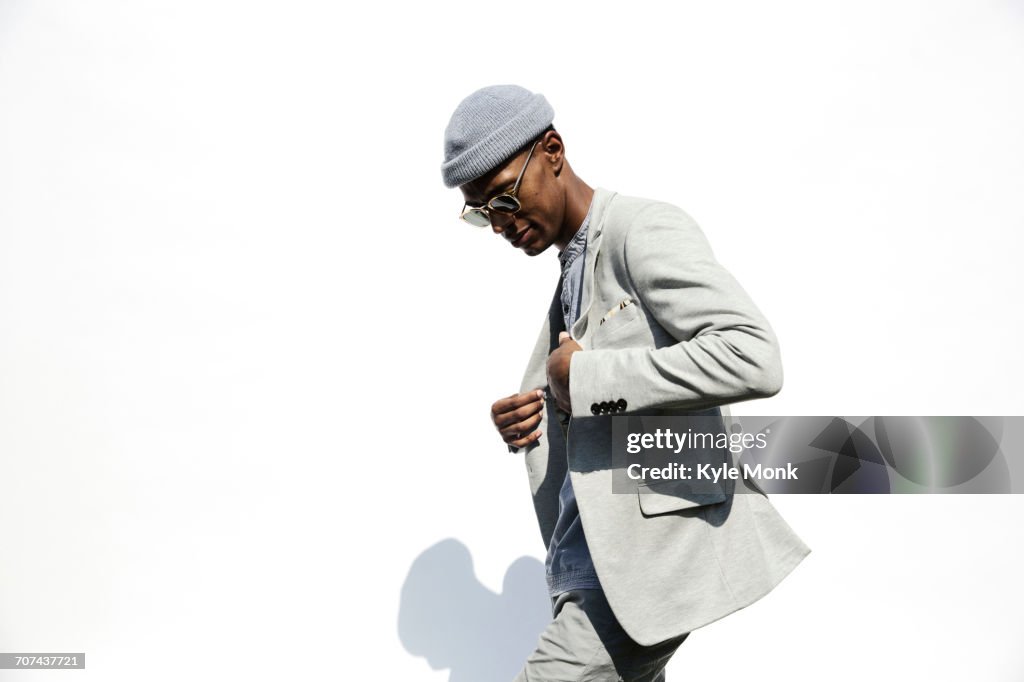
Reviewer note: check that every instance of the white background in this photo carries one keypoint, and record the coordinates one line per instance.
(247, 352)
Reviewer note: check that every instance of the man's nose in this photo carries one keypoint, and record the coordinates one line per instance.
(501, 222)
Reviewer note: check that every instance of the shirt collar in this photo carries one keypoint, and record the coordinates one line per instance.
(578, 243)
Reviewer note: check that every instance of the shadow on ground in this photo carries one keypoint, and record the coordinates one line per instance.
(449, 618)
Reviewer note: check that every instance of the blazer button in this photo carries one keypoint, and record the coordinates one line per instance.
(621, 405)
(595, 409)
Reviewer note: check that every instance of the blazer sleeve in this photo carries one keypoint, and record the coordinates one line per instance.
(725, 350)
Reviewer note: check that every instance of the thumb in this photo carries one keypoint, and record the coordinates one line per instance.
(562, 337)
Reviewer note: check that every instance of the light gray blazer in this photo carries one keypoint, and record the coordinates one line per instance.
(683, 337)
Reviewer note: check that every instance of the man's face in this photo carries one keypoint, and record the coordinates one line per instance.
(538, 224)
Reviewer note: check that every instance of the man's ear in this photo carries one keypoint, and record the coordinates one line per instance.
(554, 151)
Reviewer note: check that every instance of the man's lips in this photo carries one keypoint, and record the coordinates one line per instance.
(518, 239)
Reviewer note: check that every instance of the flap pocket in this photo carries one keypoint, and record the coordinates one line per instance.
(656, 502)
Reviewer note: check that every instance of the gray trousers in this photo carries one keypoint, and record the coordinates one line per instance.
(585, 643)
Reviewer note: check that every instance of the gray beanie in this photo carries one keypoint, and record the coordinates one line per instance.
(488, 128)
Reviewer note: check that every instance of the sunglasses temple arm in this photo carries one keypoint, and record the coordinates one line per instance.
(525, 165)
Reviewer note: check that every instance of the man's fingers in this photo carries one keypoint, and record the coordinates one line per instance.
(499, 405)
(527, 440)
(514, 402)
(520, 428)
(516, 416)
(519, 414)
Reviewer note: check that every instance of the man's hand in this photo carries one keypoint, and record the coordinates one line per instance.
(558, 370)
(516, 416)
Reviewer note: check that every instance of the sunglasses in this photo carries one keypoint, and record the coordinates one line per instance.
(506, 203)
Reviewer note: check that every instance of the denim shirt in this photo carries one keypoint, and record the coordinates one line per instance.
(568, 565)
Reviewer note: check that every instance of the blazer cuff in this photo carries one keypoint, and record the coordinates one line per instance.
(593, 390)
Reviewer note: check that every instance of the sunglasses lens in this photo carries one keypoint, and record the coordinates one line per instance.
(476, 217)
(504, 204)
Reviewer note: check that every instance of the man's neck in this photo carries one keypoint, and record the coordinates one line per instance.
(577, 205)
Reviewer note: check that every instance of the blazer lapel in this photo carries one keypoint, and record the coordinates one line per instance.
(536, 371)
(597, 216)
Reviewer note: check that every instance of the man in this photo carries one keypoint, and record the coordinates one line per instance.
(644, 321)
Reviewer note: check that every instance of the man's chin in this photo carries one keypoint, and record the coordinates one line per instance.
(535, 250)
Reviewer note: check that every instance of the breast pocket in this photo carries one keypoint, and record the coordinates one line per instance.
(619, 319)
